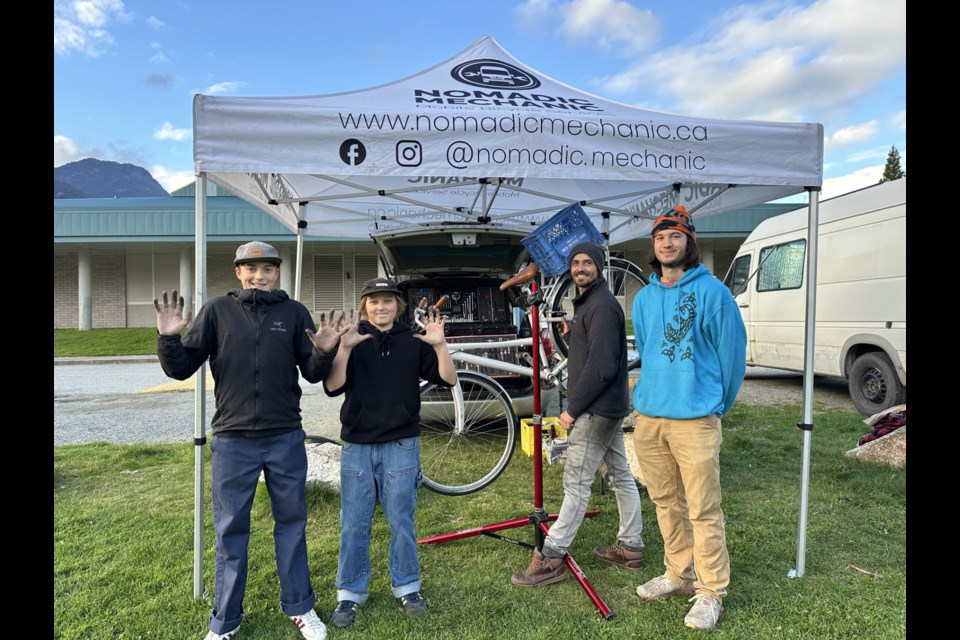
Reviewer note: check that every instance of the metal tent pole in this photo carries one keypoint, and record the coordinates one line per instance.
(809, 348)
(200, 389)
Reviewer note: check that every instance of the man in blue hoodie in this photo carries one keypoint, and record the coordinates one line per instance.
(692, 345)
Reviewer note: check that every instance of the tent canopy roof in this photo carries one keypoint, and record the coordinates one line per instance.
(482, 137)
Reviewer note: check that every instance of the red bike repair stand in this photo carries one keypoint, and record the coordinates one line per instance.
(539, 517)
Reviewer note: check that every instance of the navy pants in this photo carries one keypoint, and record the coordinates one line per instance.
(236, 465)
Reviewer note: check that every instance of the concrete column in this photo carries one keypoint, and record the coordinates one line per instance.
(186, 277)
(287, 270)
(85, 289)
(706, 257)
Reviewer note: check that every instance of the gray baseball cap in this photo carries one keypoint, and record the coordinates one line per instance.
(257, 251)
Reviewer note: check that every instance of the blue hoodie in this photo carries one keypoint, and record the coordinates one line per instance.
(692, 344)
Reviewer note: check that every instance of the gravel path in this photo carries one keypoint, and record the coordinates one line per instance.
(130, 400)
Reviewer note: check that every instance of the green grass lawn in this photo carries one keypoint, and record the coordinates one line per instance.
(105, 342)
(123, 550)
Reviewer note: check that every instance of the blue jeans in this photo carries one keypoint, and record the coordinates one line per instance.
(236, 464)
(595, 444)
(388, 473)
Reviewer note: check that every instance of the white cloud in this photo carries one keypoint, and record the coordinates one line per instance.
(167, 132)
(65, 150)
(611, 25)
(156, 22)
(160, 56)
(81, 25)
(171, 180)
(865, 177)
(852, 134)
(223, 87)
(776, 61)
(867, 155)
(533, 13)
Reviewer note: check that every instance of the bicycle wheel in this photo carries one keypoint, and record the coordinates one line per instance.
(625, 280)
(457, 459)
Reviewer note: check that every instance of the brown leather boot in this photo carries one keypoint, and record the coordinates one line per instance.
(618, 555)
(540, 572)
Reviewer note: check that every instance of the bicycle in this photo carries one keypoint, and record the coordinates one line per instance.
(469, 432)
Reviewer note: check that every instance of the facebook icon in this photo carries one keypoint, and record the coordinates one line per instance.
(352, 152)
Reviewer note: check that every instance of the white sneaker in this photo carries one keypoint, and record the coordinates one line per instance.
(704, 613)
(310, 625)
(663, 587)
(221, 636)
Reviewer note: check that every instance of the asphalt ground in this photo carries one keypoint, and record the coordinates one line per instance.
(129, 400)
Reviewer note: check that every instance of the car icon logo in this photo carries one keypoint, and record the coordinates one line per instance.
(494, 73)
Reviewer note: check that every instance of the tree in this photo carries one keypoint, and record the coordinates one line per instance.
(892, 170)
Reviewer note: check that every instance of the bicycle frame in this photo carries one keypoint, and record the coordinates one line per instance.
(548, 375)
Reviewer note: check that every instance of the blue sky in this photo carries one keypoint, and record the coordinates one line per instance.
(126, 71)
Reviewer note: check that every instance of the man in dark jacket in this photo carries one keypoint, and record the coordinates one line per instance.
(256, 339)
(597, 401)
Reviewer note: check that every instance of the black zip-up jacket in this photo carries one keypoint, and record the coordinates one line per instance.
(382, 385)
(255, 340)
(597, 362)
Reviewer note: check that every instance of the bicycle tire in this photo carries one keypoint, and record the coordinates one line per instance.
(457, 464)
(625, 278)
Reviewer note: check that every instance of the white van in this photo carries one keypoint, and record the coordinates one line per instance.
(861, 297)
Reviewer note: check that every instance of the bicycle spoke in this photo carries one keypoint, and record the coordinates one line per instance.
(461, 459)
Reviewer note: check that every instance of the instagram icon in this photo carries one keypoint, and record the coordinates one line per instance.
(409, 153)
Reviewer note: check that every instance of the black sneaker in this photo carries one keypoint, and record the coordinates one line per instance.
(413, 603)
(344, 614)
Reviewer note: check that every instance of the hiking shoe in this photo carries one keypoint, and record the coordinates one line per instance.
(221, 636)
(618, 555)
(704, 613)
(541, 571)
(413, 603)
(662, 587)
(310, 625)
(344, 614)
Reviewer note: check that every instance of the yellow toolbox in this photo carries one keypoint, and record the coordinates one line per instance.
(526, 433)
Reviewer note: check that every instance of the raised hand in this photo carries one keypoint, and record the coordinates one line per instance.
(433, 330)
(330, 330)
(350, 336)
(170, 318)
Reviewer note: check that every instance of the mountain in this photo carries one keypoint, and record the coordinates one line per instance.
(64, 190)
(92, 178)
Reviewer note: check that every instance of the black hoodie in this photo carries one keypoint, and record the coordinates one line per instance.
(382, 385)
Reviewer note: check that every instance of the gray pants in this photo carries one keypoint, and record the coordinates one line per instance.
(595, 444)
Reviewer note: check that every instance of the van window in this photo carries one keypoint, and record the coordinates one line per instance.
(782, 266)
(737, 275)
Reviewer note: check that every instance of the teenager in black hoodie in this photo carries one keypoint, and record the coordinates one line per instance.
(378, 366)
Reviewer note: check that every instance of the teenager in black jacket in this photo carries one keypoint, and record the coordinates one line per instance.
(259, 342)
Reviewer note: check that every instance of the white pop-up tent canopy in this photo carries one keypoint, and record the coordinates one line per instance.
(481, 137)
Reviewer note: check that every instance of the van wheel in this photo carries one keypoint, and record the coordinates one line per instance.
(874, 385)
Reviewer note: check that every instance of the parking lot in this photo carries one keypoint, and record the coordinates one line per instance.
(127, 401)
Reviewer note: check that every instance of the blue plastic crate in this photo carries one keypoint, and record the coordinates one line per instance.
(552, 241)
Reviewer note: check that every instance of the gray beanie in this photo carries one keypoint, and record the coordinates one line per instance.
(595, 251)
